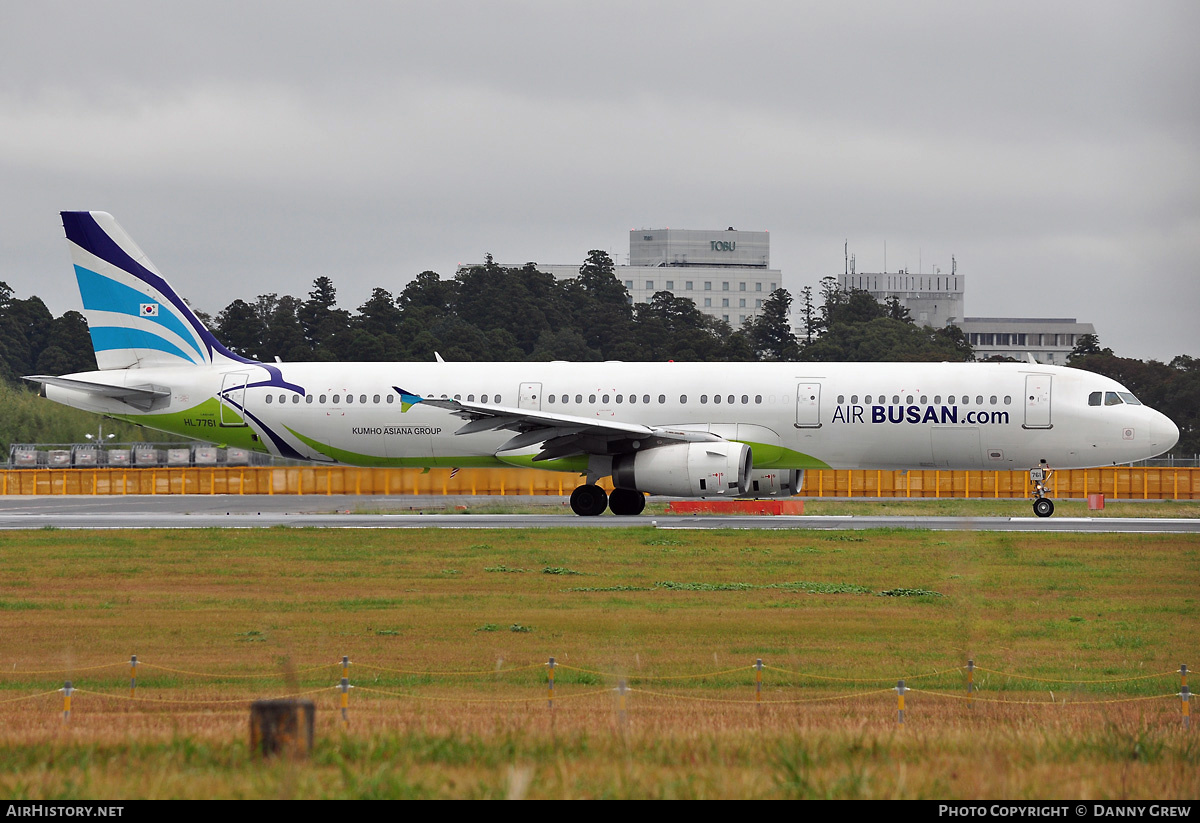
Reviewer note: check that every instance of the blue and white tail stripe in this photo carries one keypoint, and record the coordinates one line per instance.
(136, 319)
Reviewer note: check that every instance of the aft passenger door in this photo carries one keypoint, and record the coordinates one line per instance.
(233, 399)
(808, 406)
(1037, 401)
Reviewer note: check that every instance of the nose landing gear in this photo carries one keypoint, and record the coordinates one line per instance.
(1043, 507)
(1040, 476)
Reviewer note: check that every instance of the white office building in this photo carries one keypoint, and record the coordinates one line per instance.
(937, 300)
(726, 273)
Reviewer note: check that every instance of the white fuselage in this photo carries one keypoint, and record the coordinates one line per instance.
(793, 415)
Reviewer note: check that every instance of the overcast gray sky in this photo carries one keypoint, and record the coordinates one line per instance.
(1052, 148)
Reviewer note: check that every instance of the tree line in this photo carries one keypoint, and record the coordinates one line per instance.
(498, 313)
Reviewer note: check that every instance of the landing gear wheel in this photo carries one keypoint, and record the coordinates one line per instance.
(1043, 507)
(589, 501)
(626, 502)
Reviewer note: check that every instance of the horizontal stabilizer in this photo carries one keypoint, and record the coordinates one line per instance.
(144, 397)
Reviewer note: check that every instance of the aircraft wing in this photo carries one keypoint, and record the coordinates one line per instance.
(143, 397)
(560, 435)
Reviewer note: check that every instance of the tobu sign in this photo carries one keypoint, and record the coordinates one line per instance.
(722, 245)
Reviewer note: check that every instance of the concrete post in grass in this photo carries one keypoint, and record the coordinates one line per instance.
(758, 681)
(900, 701)
(550, 681)
(970, 682)
(132, 675)
(66, 690)
(282, 727)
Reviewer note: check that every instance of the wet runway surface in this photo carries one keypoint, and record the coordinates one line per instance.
(342, 512)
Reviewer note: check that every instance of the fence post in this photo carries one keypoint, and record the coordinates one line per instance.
(132, 674)
(66, 690)
(345, 687)
(900, 704)
(758, 682)
(621, 718)
(550, 676)
(1185, 694)
(970, 682)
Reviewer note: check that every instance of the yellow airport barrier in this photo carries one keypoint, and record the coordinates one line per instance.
(1115, 483)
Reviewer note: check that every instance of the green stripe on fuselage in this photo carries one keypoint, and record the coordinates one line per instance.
(201, 422)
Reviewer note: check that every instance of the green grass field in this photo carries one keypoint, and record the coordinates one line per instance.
(448, 631)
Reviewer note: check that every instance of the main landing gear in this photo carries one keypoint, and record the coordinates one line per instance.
(590, 500)
(1043, 507)
(626, 502)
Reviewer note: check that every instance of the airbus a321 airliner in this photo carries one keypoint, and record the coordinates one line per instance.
(681, 429)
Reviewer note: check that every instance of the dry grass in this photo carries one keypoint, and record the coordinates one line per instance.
(401, 604)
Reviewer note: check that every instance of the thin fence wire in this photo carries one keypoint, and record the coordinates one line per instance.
(555, 694)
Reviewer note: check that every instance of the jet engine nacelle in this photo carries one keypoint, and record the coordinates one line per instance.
(774, 482)
(686, 469)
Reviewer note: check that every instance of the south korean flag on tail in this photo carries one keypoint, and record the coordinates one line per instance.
(149, 310)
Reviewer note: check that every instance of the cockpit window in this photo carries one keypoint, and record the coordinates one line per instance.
(1094, 398)
(1112, 399)
(1129, 398)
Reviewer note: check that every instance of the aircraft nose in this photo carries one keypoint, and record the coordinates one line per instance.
(1163, 432)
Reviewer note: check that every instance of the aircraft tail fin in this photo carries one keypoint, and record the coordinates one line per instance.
(135, 318)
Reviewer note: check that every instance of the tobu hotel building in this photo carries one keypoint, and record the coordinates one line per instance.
(726, 273)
